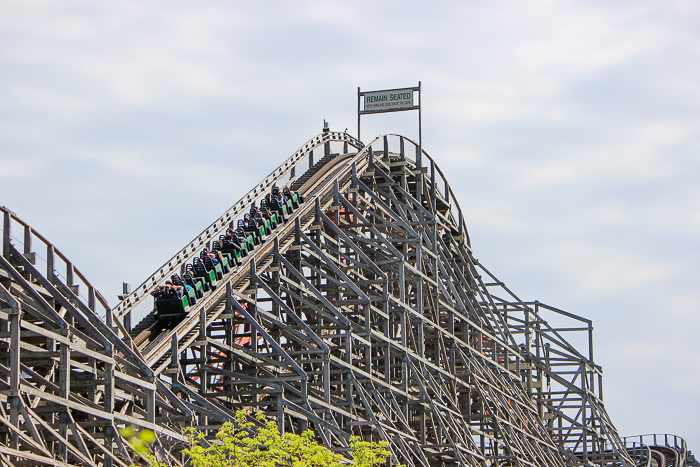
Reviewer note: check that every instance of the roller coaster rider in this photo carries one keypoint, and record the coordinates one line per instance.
(176, 295)
(231, 244)
(289, 196)
(168, 291)
(205, 252)
(273, 204)
(240, 234)
(274, 198)
(261, 222)
(266, 214)
(233, 237)
(178, 282)
(260, 219)
(251, 222)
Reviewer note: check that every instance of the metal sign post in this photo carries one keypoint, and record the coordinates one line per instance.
(394, 100)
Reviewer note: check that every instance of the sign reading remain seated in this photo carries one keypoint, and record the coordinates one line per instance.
(396, 99)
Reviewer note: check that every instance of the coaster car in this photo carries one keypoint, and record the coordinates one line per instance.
(238, 242)
(247, 238)
(256, 214)
(266, 225)
(197, 285)
(201, 280)
(244, 231)
(220, 262)
(275, 204)
(210, 266)
(228, 249)
(293, 197)
(267, 214)
(250, 225)
(169, 306)
(190, 291)
(200, 270)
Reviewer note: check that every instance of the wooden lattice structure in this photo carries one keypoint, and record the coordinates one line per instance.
(364, 314)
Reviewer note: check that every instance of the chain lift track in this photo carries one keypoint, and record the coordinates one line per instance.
(364, 314)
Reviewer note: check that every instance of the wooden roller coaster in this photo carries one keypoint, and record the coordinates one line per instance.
(359, 311)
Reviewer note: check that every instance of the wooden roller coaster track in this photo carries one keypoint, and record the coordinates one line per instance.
(364, 314)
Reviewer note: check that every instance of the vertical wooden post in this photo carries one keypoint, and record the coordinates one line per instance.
(280, 411)
(14, 399)
(419, 280)
(203, 359)
(151, 403)
(64, 371)
(386, 149)
(317, 212)
(27, 239)
(91, 298)
(49, 263)
(420, 118)
(402, 158)
(327, 378)
(275, 284)
(584, 415)
(202, 324)
(64, 391)
(230, 337)
(253, 291)
(109, 407)
(6, 234)
(126, 320)
(461, 221)
(69, 274)
(174, 356)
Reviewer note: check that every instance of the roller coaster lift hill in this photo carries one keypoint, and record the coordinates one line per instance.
(341, 294)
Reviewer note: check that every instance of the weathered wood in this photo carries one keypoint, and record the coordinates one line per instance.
(365, 313)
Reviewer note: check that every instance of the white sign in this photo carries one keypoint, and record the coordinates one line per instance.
(389, 100)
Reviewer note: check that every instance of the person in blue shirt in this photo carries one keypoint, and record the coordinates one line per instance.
(206, 252)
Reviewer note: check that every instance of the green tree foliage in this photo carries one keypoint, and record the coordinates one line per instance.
(139, 440)
(244, 445)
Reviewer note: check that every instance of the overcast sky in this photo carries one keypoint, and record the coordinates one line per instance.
(570, 132)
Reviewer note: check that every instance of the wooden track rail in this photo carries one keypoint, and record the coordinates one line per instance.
(364, 314)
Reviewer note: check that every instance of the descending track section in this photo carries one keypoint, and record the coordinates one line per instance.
(68, 379)
(358, 308)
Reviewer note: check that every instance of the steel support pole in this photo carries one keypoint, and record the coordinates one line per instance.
(358, 114)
